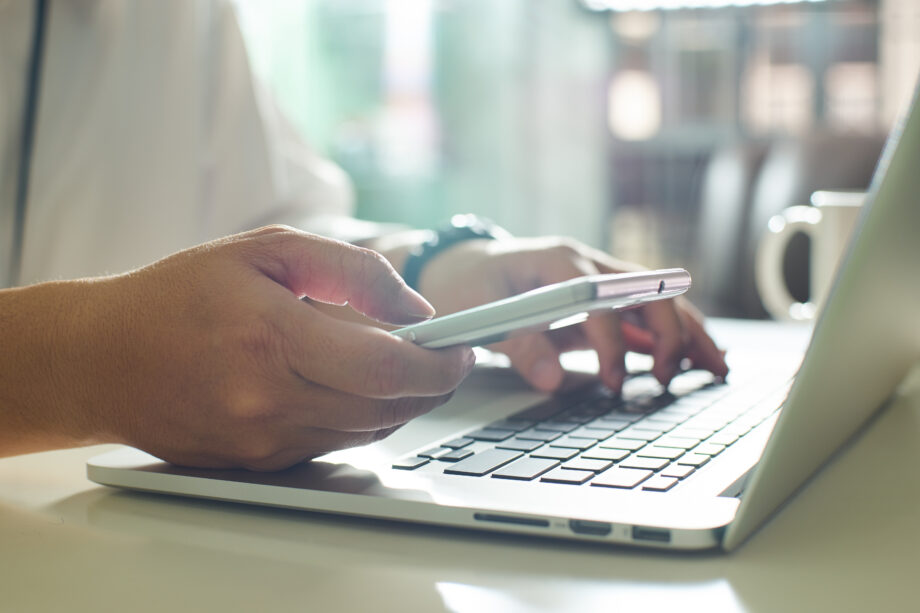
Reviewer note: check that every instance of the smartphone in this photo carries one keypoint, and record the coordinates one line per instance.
(547, 308)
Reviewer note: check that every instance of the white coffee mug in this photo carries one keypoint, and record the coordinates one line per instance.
(829, 224)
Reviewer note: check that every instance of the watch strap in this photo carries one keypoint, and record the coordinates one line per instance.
(461, 228)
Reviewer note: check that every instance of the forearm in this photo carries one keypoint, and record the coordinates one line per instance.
(38, 406)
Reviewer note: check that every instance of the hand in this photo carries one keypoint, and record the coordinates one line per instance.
(479, 271)
(210, 357)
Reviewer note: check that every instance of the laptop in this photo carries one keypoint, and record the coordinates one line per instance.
(698, 466)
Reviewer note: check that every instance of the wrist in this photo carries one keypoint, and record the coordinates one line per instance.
(39, 407)
(461, 229)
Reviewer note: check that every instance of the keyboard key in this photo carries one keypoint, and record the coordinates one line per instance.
(557, 426)
(623, 443)
(660, 422)
(644, 463)
(435, 453)
(456, 455)
(605, 402)
(668, 453)
(643, 404)
(582, 463)
(677, 442)
(538, 435)
(573, 443)
(659, 483)
(540, 412)
(592, 433)
(641, 434)
(525, 469)
(457, 443)
(678, 409)
(490, 435)
(572, 477)
(520, 445)
(620, 415)
(555, 453)
(678, 471)
(609, 424)
(709, 422)
(709, 449)
(697, 433)
(515, 425)
(599, 453)
(694, 459)
(578, 416)
(723, 438)
(410, 463)
(483, 463)
(626, 478)
(735, 430)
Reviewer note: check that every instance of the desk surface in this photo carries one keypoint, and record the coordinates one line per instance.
(848, 542)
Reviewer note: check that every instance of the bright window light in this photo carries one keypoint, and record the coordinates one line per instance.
(634, 105)
(654, 5)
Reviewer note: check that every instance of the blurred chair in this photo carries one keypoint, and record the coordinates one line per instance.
(724, 218)
(745, 185)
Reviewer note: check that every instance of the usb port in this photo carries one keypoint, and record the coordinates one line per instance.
(656, 535)
(593, 528)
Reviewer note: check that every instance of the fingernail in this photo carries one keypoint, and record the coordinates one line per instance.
(664, 374)
(414, 304)
(546, 374)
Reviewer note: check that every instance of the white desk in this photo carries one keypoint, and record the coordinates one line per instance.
(848, 542)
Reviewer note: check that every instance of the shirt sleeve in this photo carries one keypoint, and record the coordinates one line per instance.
(257, 169)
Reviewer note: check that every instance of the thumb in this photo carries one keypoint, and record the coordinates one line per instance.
(331, 271)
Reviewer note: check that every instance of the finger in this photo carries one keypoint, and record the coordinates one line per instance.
(536, 358)
(671, 340)
(331, 271)
(602, 330)
(604, 334)
(702, 351)
(637, 339)
(366, 361)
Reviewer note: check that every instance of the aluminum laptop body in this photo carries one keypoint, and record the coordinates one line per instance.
(867, 339)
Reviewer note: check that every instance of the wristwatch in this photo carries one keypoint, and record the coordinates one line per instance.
(461, 228)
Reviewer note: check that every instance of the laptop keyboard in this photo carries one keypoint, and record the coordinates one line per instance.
(644, 438)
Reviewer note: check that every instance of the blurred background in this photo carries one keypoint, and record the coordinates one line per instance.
(667, 135)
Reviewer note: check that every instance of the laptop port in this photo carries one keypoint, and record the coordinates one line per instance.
(656, 535)
(512, 519)
(592, 528)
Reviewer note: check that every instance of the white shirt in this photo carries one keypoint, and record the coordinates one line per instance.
(151, 136)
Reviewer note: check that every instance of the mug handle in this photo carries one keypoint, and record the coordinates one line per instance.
(771, 284)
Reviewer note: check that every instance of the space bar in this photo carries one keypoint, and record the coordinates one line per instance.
(483, 463)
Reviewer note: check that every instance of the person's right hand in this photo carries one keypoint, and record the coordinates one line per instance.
(210, 358)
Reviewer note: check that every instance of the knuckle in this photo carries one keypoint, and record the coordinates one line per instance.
(370, 257)
(566, 246)
(370, 264)
(250, 407)
(260, 343)
(257, 451)
(274, 229)
(400, 410)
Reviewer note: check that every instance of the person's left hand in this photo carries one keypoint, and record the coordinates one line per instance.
(479, 271)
